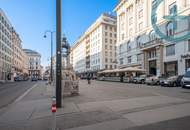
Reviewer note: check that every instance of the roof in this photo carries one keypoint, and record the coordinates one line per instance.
(28, 51)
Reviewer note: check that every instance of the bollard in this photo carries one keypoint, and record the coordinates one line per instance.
(54, 110)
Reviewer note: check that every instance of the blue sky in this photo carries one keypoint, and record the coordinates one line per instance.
(31, 18)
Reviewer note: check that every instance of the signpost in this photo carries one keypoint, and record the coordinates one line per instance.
(58, 54)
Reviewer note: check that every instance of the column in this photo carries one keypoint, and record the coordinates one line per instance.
(146, 64)
(159, 61)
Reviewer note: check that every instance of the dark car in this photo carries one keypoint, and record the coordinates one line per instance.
(34, 79)
(173, 81)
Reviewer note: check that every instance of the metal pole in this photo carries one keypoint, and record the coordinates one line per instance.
(51, 57)
(58, 54)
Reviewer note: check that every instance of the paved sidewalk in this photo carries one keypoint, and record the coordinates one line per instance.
(118, 109)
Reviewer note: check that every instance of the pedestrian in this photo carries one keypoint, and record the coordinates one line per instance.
(89, 78)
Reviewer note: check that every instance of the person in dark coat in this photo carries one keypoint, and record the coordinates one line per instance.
(89, 78)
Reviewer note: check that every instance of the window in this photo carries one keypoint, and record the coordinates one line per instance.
(140, 13)
(170, 50)
(106, 33)
(128, 46)
(121, 61)
(106, 66)
(110, 28)
(173, 9)
(130, 20)
(129, 59)
(115, 35)
(189, 45)
(106, 47)
(152, 36)
(110, 66)
(152, 54)
(110, 41)
(140, 26)
(106, 53)
(110, 47)
(139, 57)
(138, 42)
(170, 29)
(106, 40)
(106, 27)
(106, 60)
(110, 34)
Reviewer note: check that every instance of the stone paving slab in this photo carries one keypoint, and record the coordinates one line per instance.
(118, 124)
(127, 104)
(159, 114)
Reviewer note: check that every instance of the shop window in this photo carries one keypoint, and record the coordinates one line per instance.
(171, 68)
(170, 50)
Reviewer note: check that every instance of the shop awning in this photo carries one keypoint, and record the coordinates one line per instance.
(131, 69)
(128, 69)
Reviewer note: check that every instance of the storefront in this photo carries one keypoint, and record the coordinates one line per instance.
(171, 68)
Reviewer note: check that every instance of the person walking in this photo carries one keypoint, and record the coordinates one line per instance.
(89, 78)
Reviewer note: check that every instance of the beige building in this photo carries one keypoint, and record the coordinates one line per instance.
(17, 54)
(5, 48)
(139, 46)
(34, 63)
(95, 49)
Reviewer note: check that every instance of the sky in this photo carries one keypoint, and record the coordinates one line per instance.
(31, 18)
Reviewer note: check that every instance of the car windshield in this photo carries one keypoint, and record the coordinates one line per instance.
(187, 74)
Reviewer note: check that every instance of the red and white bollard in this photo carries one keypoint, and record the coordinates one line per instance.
(54, 110)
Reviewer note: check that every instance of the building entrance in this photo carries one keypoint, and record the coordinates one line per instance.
(152, 67)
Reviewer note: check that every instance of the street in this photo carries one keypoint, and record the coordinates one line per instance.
(100, 105)
(10, 91)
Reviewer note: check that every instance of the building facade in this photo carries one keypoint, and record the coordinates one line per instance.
(17, 54)
(95, 49)
(5, 48)
(139, 46)
(34, 63)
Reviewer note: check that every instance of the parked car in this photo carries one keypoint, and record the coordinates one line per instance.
(152, 80)
(34, 79)
(185, 81)
(135, 79)
(140, 79)
(170, 82)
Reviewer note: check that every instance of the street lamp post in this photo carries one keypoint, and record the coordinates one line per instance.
(51, 71)
(58, 54)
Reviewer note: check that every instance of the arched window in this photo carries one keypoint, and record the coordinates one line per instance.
(138, 42)
(170, 29)
(152, 36)
(128, 46)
